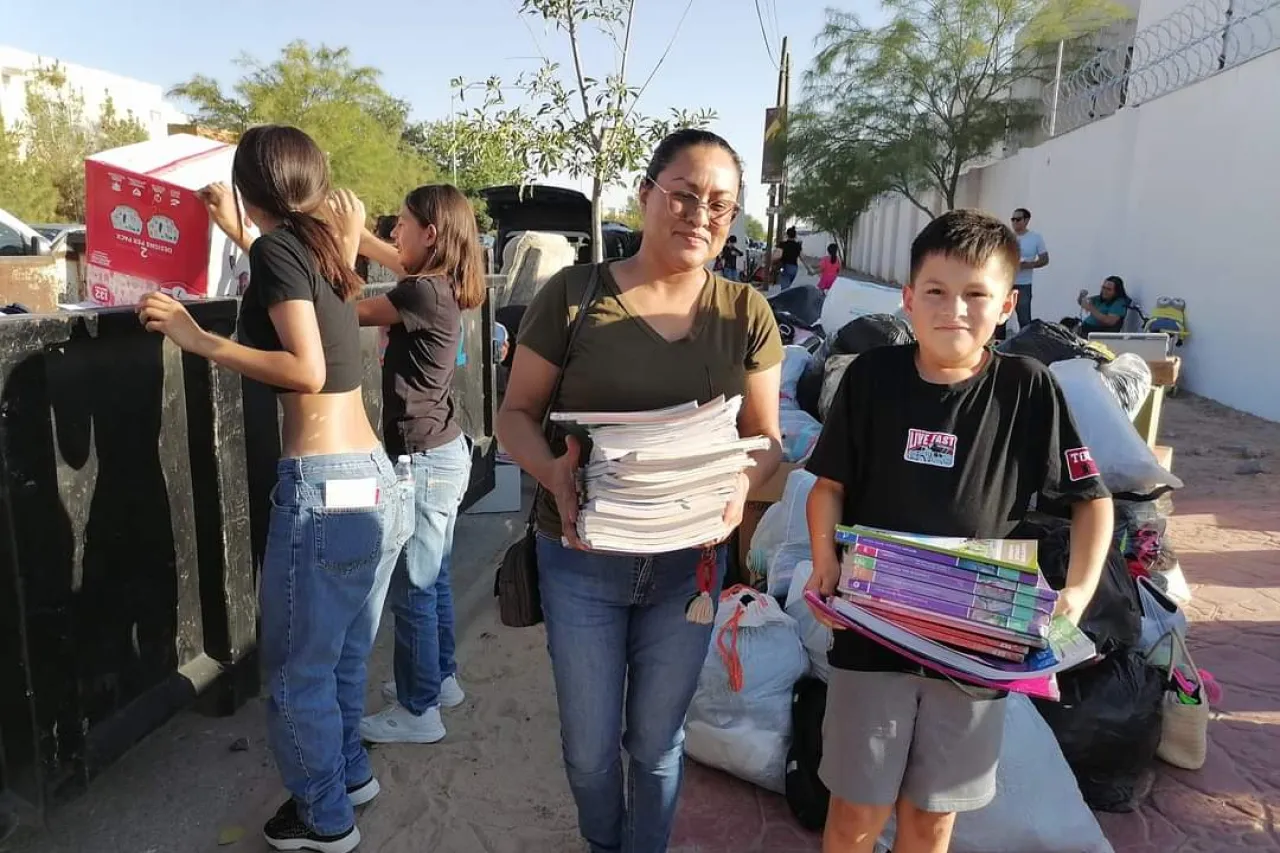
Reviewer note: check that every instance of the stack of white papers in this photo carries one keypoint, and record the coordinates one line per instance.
(660, 480)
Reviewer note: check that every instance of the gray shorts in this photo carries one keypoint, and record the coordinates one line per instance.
(889, 734)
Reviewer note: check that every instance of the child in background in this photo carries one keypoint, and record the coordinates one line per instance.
(829, 268)
(897, 735)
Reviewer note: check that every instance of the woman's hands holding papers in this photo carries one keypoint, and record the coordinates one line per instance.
(734, 509)
(562, 483)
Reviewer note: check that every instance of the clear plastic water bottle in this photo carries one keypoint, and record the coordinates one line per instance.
(404, 469)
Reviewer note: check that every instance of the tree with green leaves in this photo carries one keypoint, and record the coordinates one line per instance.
(478, 165)
(941, 84)
(586, 126)
(755, 228)
(832, 181)
(341, 105)
(42, 156)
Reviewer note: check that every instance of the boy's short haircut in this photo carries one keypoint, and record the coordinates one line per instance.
(970, 236)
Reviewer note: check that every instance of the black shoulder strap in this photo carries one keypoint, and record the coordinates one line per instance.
(588, 296)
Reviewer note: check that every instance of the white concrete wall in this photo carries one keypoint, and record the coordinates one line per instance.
(145, 100)
(1178, 197)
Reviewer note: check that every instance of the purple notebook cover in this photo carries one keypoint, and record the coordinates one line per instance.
(895, 573)
(965, 563)
(971, 616)
(1042, 687)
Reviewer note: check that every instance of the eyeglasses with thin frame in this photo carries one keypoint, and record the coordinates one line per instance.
(686, 205)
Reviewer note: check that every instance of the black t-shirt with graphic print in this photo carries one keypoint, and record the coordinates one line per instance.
(946, 460)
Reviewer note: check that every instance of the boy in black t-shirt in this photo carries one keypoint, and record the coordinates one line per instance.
(944, 437)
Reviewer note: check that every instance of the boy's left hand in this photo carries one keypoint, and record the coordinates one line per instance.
(1071, 604)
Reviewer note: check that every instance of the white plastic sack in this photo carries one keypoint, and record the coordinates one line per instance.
(833, 373)
(740, 719)
(815, 636)
(800, 431)
(1129, 378)
(1038, 807)
(1160, 616)
(848, 299)
(782, 525)
(794, 361)
(1123, 458)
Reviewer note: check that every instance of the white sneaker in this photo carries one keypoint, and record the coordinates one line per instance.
(360, 795)
(394, 724)
(451, 694)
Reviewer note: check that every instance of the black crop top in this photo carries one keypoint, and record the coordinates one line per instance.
(281, 268)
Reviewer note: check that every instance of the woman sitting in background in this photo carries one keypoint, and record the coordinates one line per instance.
(1106, 311)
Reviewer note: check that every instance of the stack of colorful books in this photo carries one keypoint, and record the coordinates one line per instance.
(981, 596)
(973, 610)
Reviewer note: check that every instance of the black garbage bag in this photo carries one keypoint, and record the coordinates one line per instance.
(1129, 378)
(809, 386)
(1050, 342)
(806, 795)
(1113, 619)
(803, 304)
(870, 331)
(1108, 725)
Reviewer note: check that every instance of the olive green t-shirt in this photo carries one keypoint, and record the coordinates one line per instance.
(620, 363)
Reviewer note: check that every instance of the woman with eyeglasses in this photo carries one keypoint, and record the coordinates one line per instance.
(661, 330)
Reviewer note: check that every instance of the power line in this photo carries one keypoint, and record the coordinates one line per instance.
(768, 47)
(663, 58)
(777, 28)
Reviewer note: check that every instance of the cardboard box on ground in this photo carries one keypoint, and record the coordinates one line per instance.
(147, 229)
(760, 499)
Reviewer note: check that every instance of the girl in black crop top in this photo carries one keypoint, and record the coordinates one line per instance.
(437, 257)
(339, 515)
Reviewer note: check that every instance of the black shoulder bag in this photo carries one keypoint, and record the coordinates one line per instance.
(516, 586)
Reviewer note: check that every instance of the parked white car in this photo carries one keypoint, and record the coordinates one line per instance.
(17, 238)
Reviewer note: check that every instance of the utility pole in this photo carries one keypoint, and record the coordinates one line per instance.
(777, 192)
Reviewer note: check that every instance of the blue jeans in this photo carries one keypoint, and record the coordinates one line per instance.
(787, 274)
(421, 597)
(324, 580)
(617, 633)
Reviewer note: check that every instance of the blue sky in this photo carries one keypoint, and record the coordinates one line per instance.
(718, 60)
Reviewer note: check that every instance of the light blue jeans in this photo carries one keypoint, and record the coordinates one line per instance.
(324, 579)
(421, 595)
(621, 646)
(787, 274)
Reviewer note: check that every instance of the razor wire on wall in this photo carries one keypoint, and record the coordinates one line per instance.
(1195, 42)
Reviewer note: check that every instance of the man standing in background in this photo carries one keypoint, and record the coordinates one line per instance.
(1034, 256)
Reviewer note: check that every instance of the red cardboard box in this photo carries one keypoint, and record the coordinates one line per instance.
(147, 229)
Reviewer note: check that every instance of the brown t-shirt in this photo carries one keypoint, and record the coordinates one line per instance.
(619, 363)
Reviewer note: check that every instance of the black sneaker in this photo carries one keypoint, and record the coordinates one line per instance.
(360, 795)
(286, 831)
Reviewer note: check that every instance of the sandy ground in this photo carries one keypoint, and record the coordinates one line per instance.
(496, 784)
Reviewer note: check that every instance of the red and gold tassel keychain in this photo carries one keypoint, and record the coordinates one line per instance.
(701, 609)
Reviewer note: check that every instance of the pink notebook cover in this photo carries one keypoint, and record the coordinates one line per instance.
(1044, 687)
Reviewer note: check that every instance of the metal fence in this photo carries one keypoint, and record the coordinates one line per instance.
(1198, 40)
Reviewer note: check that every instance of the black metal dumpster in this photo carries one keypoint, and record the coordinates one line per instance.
(133, 500)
